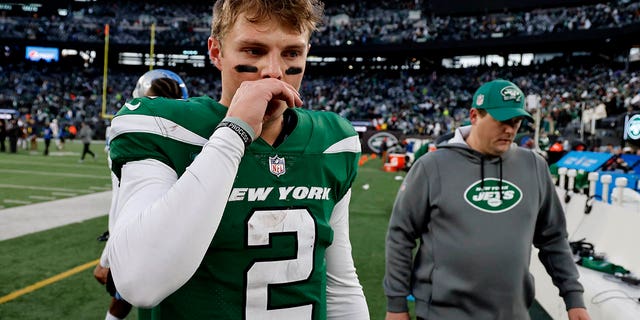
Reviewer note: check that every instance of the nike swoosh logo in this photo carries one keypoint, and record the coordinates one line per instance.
(131, 106)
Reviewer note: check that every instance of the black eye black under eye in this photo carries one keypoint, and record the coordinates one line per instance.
(246, 68)
(293, 70)
(253, 69)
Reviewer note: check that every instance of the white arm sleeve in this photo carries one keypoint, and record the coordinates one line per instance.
(345, 298)
(164, 224)
(104, 259)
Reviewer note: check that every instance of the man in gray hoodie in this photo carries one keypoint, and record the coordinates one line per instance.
(475, 206)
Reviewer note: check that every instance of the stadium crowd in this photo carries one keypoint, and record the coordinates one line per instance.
(427, 103)
(359, 23)
(355, 22)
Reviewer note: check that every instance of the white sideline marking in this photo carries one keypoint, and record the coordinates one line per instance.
(64, 153)
(65, 194)
(42, 164)
(56, 153)
(18, 221)
(16, 201)
(42, 198)
(71, 175)
(70, 191)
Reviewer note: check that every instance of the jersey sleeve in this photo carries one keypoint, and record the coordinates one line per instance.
(170, 131)
(162, 215)
(345, 298)
(340, 138)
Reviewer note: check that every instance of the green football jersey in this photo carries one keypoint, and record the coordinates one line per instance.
(266, 260)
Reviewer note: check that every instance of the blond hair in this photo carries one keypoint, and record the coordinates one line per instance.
(296, 15)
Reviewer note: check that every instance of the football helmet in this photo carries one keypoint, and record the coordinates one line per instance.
(144, 83)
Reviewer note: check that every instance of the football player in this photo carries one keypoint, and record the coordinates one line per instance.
(154, 83)
(238, 208)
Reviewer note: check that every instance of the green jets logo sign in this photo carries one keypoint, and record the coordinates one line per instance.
(633, 127)
(487, 198)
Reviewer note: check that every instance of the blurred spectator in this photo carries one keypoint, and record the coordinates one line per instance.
(47, 136)
(3, 135)
(85, 135)
(57, 134)
(13, 132)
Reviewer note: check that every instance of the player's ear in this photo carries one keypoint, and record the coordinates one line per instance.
(473, 115)
(215, 51)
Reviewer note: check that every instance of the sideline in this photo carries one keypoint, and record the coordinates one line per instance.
(46, 282)
(21, 220)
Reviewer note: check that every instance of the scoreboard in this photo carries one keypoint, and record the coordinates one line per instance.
(191, 58)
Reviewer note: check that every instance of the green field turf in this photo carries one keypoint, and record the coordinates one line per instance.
(28, 176)
(32, 258)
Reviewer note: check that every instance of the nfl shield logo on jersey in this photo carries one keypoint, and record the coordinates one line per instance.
(276, 165)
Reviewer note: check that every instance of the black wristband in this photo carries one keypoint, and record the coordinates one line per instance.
(244, 135)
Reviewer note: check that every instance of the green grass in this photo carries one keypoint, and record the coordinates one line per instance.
(35, 257)
(370, 211)
(32, 258)
(30, 177)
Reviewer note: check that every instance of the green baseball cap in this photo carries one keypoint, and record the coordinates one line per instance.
(502, 99)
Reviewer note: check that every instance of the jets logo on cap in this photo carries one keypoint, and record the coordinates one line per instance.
(487, 198)
(511, 93)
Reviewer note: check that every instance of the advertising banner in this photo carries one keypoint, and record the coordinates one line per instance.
(583, 160)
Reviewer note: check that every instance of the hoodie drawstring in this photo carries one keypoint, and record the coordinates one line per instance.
(500, 185)
(482, 175)
(482, 172)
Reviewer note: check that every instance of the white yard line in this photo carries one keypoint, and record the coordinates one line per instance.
(64, 191)
(16, 201)
(64, 194)
(49, 174)
(42, 198)
(39, 164)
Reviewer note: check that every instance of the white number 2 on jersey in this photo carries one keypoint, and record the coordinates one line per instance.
(261, 225)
